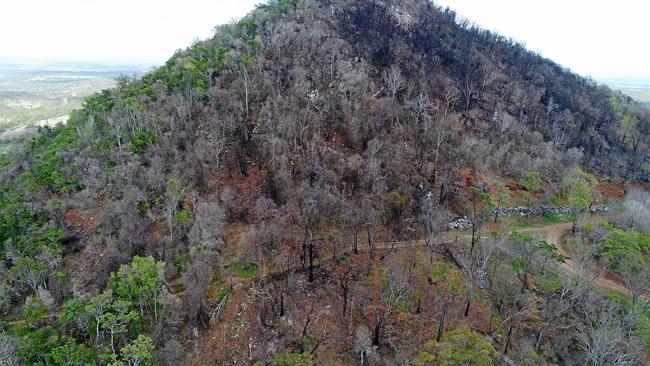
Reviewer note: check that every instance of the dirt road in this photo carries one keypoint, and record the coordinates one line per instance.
(551, 233)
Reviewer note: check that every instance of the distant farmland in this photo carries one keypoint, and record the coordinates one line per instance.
(33, 95)
(638, 89)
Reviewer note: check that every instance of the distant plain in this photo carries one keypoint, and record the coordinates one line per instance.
(33, 95)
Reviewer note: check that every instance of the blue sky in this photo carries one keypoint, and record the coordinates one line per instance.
(600, 38)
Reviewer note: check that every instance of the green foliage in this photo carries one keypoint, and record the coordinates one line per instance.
(280, 6)
(18, 219)
(73, 309)
(143, 208)
(221, 294)
(244, 270)
(103, 145)
(140, 352)
(120, 318)
(642, 325)
(295, 359)
(36, 345)
(180, 263)
(183, 217)
(531, 183)
(480, 200)
(620, 243)
(47, 172)
(397, 200)
(580, 190)
(628, 128)
(5, 162)
(34, 311)
(28, 271)
(555, 218)
(140, 282)
(174, 192)
(194, 67)
(551, 250)
(142, 140)
(458, 347)
(37, 244)
(71, 353)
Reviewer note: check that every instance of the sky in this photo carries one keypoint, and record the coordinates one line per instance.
(598, 38)
(117, 31)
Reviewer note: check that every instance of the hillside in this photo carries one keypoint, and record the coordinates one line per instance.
(38, 94)
(281, 193)
(638, 88)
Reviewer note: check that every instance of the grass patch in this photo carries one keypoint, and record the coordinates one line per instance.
(555, 218)
(221, 294)
(550, 280)
(244, 270)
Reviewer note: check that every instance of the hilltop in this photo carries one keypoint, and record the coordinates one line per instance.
(281, 193)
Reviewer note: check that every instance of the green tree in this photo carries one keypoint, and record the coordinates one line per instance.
(500, 195)
(458, 347)
(173, 195)
(36, 345)
(29, 271)
(70, 353)
(580, 191)
(97, 308)
(140, 283)
(549, 252)
(118, 320)
(531, 183)
(74, 312)
(139, 352)
(481, 204)
(34, 310)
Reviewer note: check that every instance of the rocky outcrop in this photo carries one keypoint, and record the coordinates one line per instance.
(464, 222)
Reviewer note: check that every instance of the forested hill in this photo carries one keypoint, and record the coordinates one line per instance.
(305, 126)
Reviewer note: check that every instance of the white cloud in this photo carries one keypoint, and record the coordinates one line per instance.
(597, 38)
(140, 31)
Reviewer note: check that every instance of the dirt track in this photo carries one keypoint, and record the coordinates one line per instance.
(551, 233)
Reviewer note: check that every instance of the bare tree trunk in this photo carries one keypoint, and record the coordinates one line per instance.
(538, 342)
(377, 337)
(311, 262)
(441, 324)
(345, 301)
(505, 349)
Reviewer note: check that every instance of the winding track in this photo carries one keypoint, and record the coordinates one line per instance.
(552, 234)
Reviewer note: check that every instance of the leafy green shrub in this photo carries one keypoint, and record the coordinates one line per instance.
(295, 359)
(458, 347)
(180, 263)
(183, 217)
(620, 243)
(34, 311)
(72, 353)
(143, 208)
(397, 199)
(555, 218)
(244, 270)
(221, 294)
(141, 141)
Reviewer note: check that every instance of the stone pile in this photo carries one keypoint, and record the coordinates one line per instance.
(463, 223)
